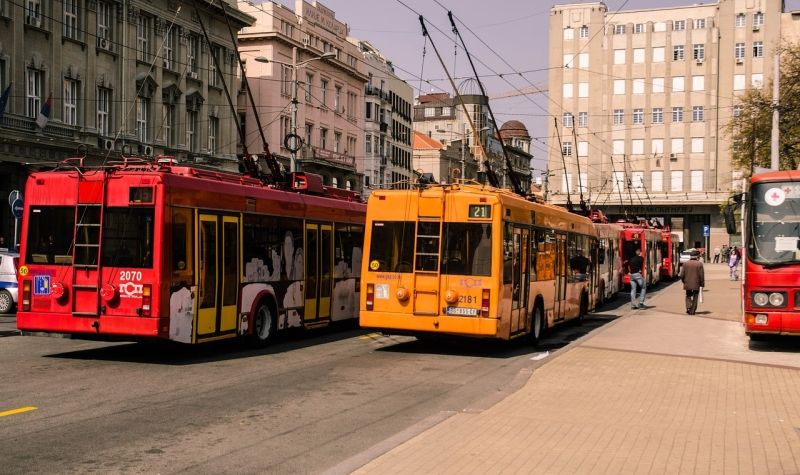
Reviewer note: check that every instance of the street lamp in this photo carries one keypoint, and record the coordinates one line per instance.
(294, 66)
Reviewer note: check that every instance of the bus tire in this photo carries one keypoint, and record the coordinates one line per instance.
(584, 308)
(264, 325)
(759, 336)
(538, 324)
(6, 302)
(601, 294)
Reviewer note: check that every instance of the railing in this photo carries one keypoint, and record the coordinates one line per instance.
(26, 124)
(333, 157)
(376, 91)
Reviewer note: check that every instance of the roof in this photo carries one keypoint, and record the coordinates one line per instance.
(423, 142)
(514, 128)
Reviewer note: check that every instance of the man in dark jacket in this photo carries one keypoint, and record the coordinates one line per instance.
(693, 278)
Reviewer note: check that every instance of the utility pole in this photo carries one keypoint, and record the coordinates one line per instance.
(463, 145)
(776, 91)
(293, 149)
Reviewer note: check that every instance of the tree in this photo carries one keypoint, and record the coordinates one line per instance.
(751, 130)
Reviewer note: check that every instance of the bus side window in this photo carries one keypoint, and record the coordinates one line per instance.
(508, 248)
(182, 246)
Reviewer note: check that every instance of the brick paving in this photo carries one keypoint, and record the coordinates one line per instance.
(655, 392)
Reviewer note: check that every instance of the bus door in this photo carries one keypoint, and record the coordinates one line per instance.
(560, 307)
(318, 274)
(520, 278)
(218, 274)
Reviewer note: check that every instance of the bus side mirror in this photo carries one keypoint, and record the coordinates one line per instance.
(730, 219)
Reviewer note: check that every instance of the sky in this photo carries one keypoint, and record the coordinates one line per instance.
(504, 37)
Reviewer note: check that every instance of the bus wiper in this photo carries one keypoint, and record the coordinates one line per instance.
(774, 265)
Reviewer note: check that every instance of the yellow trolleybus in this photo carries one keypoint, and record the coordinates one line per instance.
(476, 261)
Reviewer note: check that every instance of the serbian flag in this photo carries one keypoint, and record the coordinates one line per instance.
(44, 114)
(4, 100)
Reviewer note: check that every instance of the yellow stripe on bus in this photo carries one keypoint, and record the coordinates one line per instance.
(18, 410)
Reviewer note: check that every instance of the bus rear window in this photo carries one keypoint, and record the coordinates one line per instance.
(392, 246)
(128, 237)
(467, 249)
(50, 234)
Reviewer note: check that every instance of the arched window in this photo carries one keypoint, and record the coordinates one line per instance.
(335, 182)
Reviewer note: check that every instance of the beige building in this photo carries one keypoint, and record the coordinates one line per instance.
(387, 122)
(136, 76)
(643, 97)
(330, 91)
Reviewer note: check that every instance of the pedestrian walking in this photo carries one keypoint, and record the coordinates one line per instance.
(635, 265)
(726, 253)
(733, 263)
(716, 255)
(693, 278)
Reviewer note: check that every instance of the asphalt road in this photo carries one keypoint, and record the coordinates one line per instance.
(309, 403)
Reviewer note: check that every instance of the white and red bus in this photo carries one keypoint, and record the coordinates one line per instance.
(670, 254)
(771, 236)
(143, 250)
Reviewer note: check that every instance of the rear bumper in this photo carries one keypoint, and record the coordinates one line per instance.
(778, 323)
(134, 327)
(451, 325)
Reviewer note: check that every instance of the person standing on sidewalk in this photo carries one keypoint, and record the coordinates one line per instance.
(733, 263)
(635, 265)
(716, 255)
(693, 277)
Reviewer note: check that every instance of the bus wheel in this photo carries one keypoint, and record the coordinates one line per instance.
(601, 294)
(537, 324)
(6, 302)
(264, 325)
(584, 310)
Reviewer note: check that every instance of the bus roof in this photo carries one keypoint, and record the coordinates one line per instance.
(783, 175)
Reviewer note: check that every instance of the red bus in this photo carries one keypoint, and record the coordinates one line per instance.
(670, 254)
(144, 249)
(771, 236)
(610, 271)
(637, 236)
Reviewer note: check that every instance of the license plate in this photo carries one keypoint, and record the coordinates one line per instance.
(467, 312)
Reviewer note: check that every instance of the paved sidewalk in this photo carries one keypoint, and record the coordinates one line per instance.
(657, 391)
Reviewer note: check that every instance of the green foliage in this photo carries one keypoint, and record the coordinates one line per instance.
(751, 132)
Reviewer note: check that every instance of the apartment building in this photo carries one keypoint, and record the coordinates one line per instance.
(643, 98)
(303, 52)
(387, 123)
(110, 77)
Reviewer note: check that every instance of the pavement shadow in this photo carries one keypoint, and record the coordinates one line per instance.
(170, 353)
(776, 344)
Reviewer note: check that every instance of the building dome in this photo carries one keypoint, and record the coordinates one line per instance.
(469, 87)
(514, 129)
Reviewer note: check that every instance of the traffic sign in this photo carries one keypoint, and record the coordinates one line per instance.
(14, 196)
(16, 208)
(706, 230)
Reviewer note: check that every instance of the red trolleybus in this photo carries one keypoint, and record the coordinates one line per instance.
(670, 254)
(636, 236)
(151, 250)
(609, 263)
(473, 261)
(771, 232)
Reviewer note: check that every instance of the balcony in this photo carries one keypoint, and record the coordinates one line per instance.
(384, 127)
(376, 91)
(27, 125)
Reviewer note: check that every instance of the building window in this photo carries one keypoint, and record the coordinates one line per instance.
(679, 25)
(619, 116)
(324, 91)
(70, 102)
(741, 20)
(677, 146)
(657, 146)
(638, 85)
(569, 33)
(309, 131)
(658, 85)
(677, 114)
(337, 142)
(309, 82)
(699, 51)
(638, 56)
(738, 51)
(584, 32)
(213, 74)
(676, 180)
(103, 111)
(639, 28)
(71, 26)
(368, 144)
(286, 80)
(657, 181)
(566, 93)
(143, 32)
(566, 150)
(33, 92)
(678, 83)
(193, 54)
(697, 180)
(619, 29)
(337, 98)
(658, 115)
(637, 147)
(677, 53)
(619, 86)
(697, 113)
(618, 181)
(658, 54)
(618, 147)
(737, 110)
(104, 24)
(758, 19)
(191, 128)
(699, 24)
(638, 116)
(583, 119)
(323, 138)
(619, 56)
(351, 146)
(698, 83)
(142, 118)
(697, 144)
(168, 54)
(168, 126)
(286, 128)
(758, 49)
(213, 131)
(33, 13)
(567, 119)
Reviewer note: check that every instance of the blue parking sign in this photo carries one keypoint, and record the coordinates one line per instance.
(706, 230)
(41, 285)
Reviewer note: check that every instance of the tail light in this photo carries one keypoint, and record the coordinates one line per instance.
(26, 295)
(370, 296)
(147, 299)
(485, 302)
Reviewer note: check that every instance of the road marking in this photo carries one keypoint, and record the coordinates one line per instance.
(18, 410)
(370, 336)
(540, 356)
